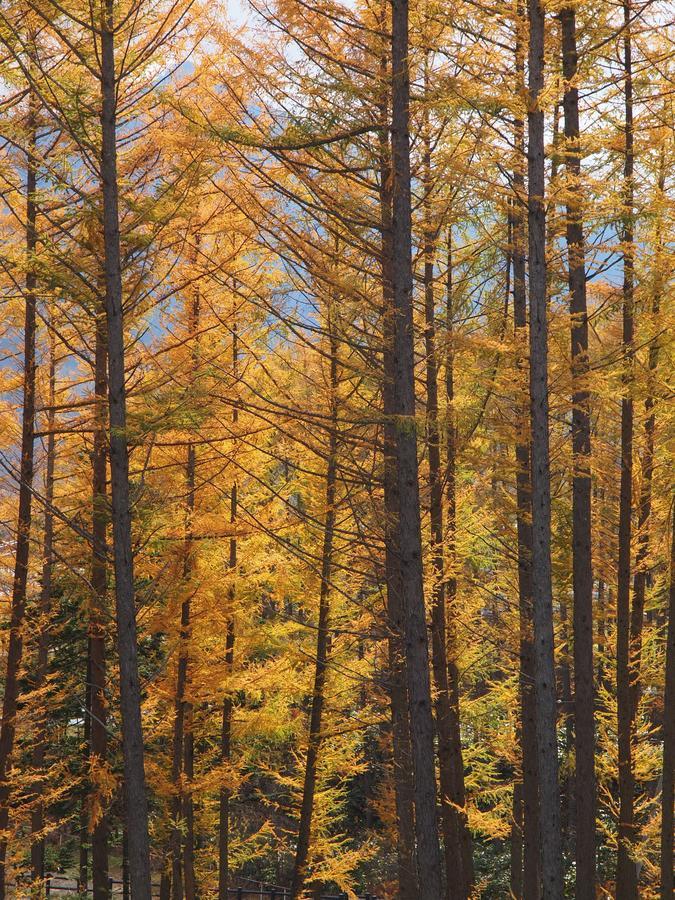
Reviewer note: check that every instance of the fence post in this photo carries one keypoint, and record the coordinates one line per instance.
(110, 884)
(240, 894)
(273, 894)
(48, 885)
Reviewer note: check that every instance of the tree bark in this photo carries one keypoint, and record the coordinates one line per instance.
(647, 473)
(182, 846)
(323, 639)
(98, 608)
(37, 851)
(226, 727)
(464, 878)
(668, 787)
(136, 806)
(397, 681)
(528, 738)
(21, 559)
(626, 871)
(83, 874)
(582, 566)
(542, 601)
(457, 883)
(409, 537)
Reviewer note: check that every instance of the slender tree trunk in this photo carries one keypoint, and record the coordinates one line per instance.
(323, 639)
(191, 889)
(225, 752)
(528, 736)
(21, 559)
(464, 875)
(182, 846)
(516, 837)
(564, 681)
(83, 874)
(410, 538)
(136, 806)
(668, 787)
(456, 886)
(542, 601)
(647, 473)
(226, 727)
(626, 871)
(98, 608)
(582, 566)
(37, 851)
(402, 753)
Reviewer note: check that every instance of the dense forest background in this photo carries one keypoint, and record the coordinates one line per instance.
(336, 447)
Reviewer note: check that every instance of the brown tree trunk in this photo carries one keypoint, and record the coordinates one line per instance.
(582, 567)
(626, 871)
(456, 882)
(21, 559)
(226, 727)
(397, 681)
(136, 806)
(191, 888)
(647, 473)
(542, 601)
(464, 876)
(528, 738)
(37, 851)
(83, 874)
(98, 607)
(668, 787)
(323, 639)
(182, 846)
(225, 750)
(402, 753)
(409, 531)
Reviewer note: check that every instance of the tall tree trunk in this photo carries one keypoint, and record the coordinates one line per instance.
(21, 559)
(668, 787)
(564, 682)
(626, 871)
(98, 607)
(323, 637)
(83, 874)
(528, 737)
(409, 531)
(182, 845)
(582, 566)
(456, 882)
(542, 601)
(136, 806)
(226, 727)
(397, 681)
(191, 888)
(37, 850)
(225, 749)
(647, 473)
(464, 877)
